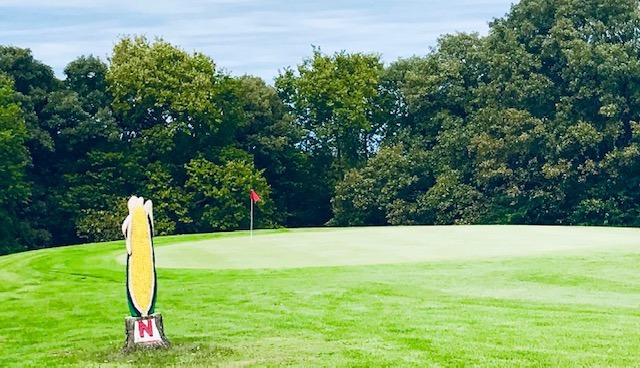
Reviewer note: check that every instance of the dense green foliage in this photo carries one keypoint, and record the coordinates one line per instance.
(536, 123)
(13, 159)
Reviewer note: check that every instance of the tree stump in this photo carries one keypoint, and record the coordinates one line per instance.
(145, 333)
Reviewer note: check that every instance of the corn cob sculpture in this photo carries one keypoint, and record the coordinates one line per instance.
(141, 274)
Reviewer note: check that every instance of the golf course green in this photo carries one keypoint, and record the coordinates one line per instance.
(389, 245)
(376, 296)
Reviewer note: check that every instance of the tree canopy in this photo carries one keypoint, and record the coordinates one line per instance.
(14, 157)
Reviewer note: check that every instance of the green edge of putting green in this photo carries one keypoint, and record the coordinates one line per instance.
(386, 245)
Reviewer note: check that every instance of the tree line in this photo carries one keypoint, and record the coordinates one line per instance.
(535, 123)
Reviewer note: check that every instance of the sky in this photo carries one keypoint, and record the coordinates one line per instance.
(259, 38)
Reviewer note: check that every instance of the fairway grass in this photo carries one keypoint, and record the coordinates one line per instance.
(429, 296)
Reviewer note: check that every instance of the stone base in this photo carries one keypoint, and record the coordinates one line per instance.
(145, 333)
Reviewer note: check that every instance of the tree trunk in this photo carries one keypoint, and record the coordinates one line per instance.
(145, 333)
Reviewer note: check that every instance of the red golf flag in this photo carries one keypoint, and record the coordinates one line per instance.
(254, 196)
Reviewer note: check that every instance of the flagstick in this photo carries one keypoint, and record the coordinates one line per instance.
(251, 226)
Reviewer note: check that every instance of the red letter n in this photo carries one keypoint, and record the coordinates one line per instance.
(148, 328)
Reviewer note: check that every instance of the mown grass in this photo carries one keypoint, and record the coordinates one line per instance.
(66, 307)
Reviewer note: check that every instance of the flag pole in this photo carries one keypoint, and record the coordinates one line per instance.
(254, 198)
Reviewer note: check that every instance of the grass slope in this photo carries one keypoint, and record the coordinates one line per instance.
(572, 306)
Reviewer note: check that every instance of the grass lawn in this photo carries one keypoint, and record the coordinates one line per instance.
(406, 296)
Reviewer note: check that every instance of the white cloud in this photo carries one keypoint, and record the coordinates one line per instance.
(245, 37)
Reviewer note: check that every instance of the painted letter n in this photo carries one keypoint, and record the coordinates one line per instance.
(148, 328)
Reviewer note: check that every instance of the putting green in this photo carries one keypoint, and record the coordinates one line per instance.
(387, 245)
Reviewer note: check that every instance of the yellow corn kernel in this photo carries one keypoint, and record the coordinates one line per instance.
(141, 280)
